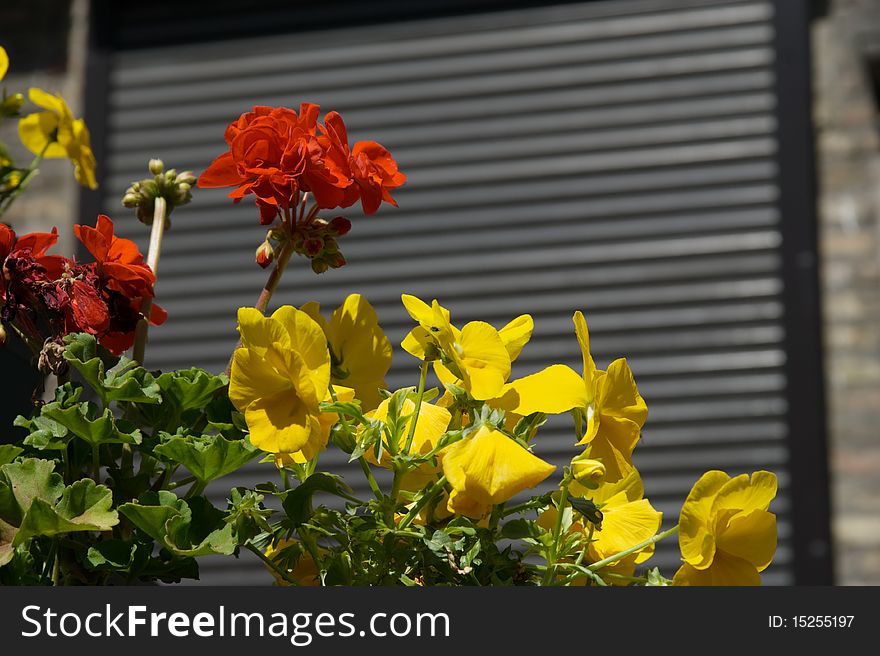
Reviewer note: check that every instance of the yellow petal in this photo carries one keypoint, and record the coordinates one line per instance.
(35, 132)
(750, 536)
(740, 493)
(554, 390)
(4, 62)
(483, 360)
(624, 525)
(313, 309)
(630, 486)
(49, 101)
(363, 350)
(251, 379)
(618, 395)
(460, 503)
(431, 425)
(261, 334)
(417, 343)
(307, 339)
(517, 334)
(613, 445)
(491, 468)
(281, 423)
(725, 570)
(417, 308)
(583, 337)
(695, 522)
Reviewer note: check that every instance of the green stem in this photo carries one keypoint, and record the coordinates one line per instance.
(284, 575)
(371, 480)
(269, 288)
(557, 531)
(626, 552)
(182, 482)
(156, 233)
(196, 489)
(29, 175)
(427, 496)
(423, 375)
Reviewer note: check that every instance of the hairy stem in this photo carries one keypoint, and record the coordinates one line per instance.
(156, 233)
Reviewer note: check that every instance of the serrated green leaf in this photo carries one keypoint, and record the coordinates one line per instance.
(7, 536)
(44, 434)
(207, 457)
(128, 381)
(297, 503)
(152, 512)
(190, 388)
(81, 353)
(84, 506)
(31, 479)
(83, 421)
(118, 555)
(8, 453)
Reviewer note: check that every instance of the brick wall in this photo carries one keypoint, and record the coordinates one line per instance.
(848, 150)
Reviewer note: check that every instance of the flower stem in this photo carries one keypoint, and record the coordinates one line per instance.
(415, 416)
(424, 499)
(156, 233)
(641, 545)
(29, 175)
(557, 531)
(269, 288)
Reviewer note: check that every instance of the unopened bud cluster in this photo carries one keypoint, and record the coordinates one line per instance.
(174, 187)
(317, 240)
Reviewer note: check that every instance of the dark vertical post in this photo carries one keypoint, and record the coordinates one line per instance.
(810, 512)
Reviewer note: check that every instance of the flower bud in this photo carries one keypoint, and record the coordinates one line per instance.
(156, 166)
(187, 177)
(340, 225)
(319, 266)
(11, 105)
(313, 246)
(265, 254)
(131, 200)
(170, 175)
(586, 471)
(337, 260)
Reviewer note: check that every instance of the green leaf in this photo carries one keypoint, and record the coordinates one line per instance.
(298, 502)
(84, 506)
(207, 457)
(128, 381)
(186, 529)
(83, 421)
(81, 353)
(517, 529)
(45, 434)
(152, 512)
(118, 555)
(190, 388)
(28, 480)
(7, 536)
(8, 453)
(198, 535)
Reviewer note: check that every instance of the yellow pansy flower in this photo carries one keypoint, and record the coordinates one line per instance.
(477, 356)
(431, 425)
(615, 411)
(627, 519)
(359, 351)
(314, 446)
(488, 468)
(279, 376)
(56, 134)
(726, 534)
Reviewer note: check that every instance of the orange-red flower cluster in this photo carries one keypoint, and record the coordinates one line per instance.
(49, 296)
(276, 154)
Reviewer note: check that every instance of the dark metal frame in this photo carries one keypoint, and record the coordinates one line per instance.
(810, 512)
(805, 393)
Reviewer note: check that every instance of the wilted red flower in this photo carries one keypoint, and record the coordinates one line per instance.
(103, 298)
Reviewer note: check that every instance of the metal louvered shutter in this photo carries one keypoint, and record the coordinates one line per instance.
(614, 157)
